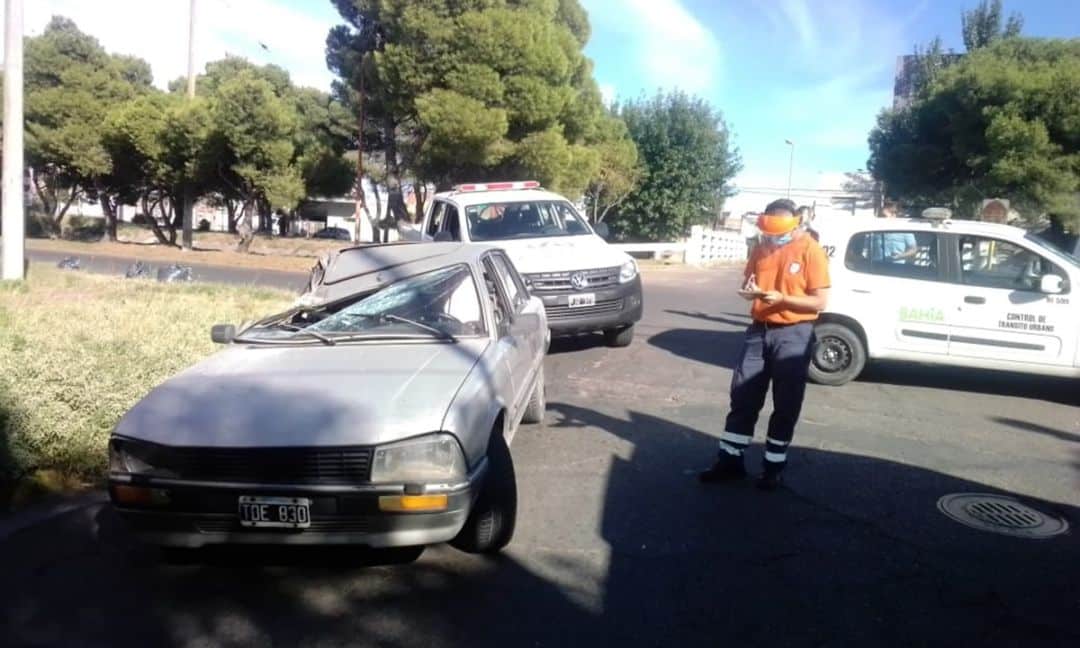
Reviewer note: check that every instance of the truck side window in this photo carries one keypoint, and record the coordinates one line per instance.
(910, 255)
(993, 263)
(435, 223)
(451, 223)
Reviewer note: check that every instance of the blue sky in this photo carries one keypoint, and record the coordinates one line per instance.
(813, 71)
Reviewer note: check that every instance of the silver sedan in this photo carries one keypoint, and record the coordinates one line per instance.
(377, 411)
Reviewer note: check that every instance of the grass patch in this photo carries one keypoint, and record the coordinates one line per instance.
(77, 351)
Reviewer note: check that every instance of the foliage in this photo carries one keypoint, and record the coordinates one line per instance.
(618, 170)
(1002, 122)
(472, 90)
(69, 368)
(71, 84)
(688, 163)
(982, 25)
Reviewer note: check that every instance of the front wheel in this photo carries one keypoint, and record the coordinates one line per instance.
(491, 522)
(534, 411)
(839, 355)
(619, 337)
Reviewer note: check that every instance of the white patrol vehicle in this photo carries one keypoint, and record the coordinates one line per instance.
(949, 292)
(585, 284)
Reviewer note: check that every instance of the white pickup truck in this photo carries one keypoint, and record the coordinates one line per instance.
(585, 284)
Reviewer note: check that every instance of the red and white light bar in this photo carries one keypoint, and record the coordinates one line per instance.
(497, 186)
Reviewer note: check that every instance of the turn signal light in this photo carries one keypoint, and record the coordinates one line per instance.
(138, 495)
(413, 503)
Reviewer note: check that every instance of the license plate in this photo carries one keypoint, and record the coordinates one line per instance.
(280, 512)
(585, 299)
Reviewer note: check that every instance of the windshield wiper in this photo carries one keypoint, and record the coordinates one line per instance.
(301, 330)
(420, 325)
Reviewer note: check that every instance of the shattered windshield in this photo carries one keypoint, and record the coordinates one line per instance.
(439, 304)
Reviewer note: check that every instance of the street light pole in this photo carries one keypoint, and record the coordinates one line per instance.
(791, 165)
(14, 216)
(188, 208)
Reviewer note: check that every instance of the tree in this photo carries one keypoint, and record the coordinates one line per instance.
(864, 190)
(1002, 122)
(688, 163)
(471, 90)
(619, 169)
(982, 25)
(71, 84)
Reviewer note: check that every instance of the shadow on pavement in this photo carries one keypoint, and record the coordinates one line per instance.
(733, 319)
(995, 383)
(719, 348)
(851, 552)
(1028, 426)
(574, 343)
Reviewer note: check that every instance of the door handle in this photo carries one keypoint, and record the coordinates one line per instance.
(971, 299)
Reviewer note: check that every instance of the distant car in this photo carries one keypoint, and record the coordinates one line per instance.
(334, 233)
(377, 411)
(946, 292)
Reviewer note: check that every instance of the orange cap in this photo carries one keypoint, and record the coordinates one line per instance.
(777, 224)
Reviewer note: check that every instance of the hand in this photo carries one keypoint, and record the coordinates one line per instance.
(773, 297)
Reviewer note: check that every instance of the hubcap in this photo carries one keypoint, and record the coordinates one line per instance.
(832, 354)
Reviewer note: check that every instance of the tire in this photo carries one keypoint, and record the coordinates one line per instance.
(839, 355)
(619, 337)
(491, 522)
(534, 411)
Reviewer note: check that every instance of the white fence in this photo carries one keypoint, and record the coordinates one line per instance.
(714, 246)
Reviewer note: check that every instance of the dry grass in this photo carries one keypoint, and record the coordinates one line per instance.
(76, 351)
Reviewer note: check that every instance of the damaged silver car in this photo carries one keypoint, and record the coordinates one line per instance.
(377, 411)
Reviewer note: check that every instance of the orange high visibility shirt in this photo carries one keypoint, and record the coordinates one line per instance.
(794, 269)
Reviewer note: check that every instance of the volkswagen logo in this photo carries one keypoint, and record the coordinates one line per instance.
(578, 281)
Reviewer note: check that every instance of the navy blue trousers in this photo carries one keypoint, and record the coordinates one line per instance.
(777, 355)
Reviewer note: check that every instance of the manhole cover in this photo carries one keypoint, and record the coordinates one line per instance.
(1000, 514)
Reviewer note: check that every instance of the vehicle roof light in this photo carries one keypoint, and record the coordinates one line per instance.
(937, 213)
(497, 186)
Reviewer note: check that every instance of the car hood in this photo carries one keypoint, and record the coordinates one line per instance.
(348, 394)
(562, 253)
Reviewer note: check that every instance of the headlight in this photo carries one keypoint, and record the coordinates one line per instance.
(129, 457)
(436, 457)
(628, 271)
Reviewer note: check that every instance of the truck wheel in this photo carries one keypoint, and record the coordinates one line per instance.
(490, 525)
(839, 355)
(619, 337)
(534, 411)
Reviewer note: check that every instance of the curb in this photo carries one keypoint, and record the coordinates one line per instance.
(43, 513)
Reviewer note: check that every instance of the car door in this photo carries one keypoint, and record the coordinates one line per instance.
(528, 319)
(998, 310)
(895, 285)
(434, 221)
(512, 353)
(524, 325)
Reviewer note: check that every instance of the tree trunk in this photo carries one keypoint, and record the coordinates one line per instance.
(48, 203)
(151, 220)
(230, 209)
(170, 218)
(108, 208)
(72, 197)
(420, 192)
(376, 223)
(245, 229)
(395, 201)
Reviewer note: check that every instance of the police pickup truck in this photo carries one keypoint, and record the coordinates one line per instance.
(585, 284)
(949, 292)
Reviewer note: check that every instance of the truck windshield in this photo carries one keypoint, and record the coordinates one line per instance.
(502, 221)
(1067, 246)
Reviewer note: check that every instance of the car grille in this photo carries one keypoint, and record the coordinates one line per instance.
(551, 282)
(555, 313)
(337, 465)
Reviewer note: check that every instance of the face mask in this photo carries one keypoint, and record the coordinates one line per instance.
(783, 239)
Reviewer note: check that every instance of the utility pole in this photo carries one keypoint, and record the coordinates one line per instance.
(188, 208)
(791, 165)
(14, 215)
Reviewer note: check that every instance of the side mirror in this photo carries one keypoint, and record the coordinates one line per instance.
(1052, 284)
(602, 230)
(222, 333)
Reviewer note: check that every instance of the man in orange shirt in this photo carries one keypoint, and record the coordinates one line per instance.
(787, 278)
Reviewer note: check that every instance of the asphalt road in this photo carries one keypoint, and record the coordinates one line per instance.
(617, 544)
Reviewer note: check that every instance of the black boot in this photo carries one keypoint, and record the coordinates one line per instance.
(771, 478)
(726, 469)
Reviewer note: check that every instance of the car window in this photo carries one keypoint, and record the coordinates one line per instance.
(451, 223)
(435, 223)
(907, 254)
(515, 288)
(496, 293)
(525, 219)
(994, 263)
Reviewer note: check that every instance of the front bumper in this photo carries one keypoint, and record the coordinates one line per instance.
(196, 514)
(617, 306)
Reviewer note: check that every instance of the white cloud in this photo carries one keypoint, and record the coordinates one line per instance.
(156, 30)
(665, 43)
